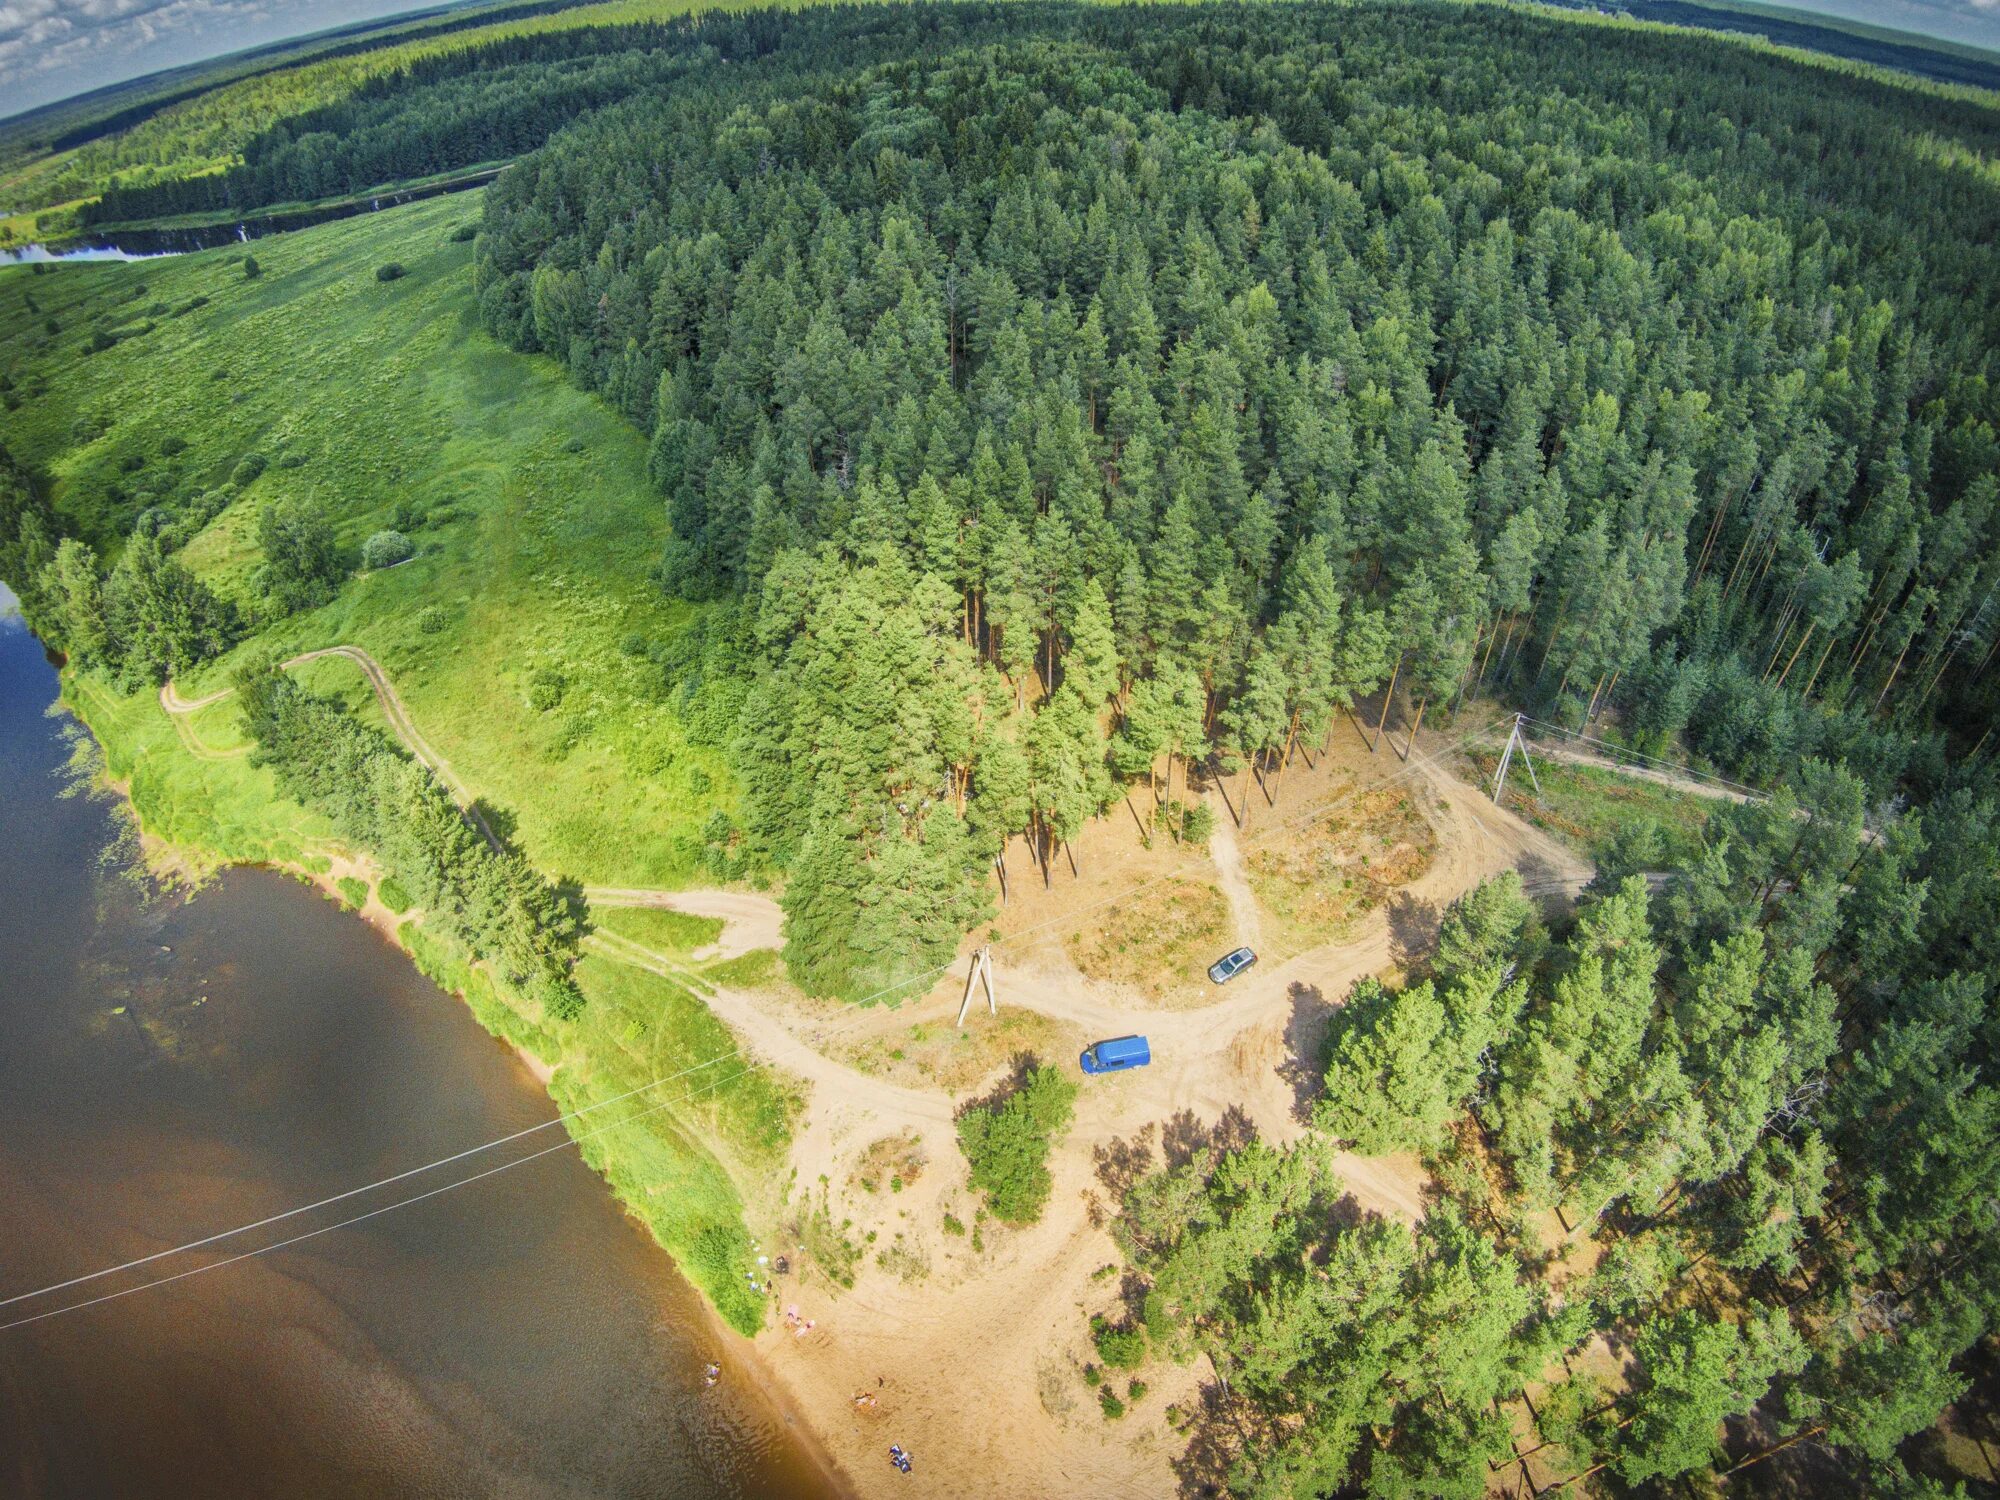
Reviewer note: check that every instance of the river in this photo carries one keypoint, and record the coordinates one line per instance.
(170, 1067)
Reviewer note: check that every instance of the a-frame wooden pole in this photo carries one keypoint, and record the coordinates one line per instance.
(981, 973)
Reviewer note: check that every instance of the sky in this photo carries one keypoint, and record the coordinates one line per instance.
(51, 49)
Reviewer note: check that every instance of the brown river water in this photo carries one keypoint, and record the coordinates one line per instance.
(172, 1067)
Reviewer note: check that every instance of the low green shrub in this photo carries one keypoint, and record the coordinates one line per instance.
(385, 549)
(390, 272)
(1008, 1145)
(1120, 1348)
(394, 896)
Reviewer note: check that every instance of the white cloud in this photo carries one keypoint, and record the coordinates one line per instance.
(50, 49)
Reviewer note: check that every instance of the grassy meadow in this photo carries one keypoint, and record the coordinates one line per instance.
(536, 534)
(536, 530)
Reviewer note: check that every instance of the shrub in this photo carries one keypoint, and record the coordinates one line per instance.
(171, 445)
(430, 620)
(385, 549)
(394, 896)
(1120, 1348)
(545, 689)
(389, 272)
(353, 892)
(953, 1225)
(1136, 1390)
(247, 469)
(251, 270)
(1113, 1407)
(292, 461)
(463, 233)
(1198, 824)
(100, 340)
(1008, 1145)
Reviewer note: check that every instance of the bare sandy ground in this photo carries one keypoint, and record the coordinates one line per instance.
(976, 1363)
(973, 1356)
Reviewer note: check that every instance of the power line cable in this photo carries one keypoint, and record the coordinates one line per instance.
(1314, 810)
(309, 1234)
(1667, 765)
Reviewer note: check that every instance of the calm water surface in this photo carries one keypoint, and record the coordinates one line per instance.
(169, 1068)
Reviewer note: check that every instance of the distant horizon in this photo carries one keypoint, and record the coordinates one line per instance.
(53, 51)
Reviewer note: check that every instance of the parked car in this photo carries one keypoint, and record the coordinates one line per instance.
(1230, 965)
(1116, 1055)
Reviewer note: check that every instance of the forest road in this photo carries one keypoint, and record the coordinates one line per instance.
(749, 921)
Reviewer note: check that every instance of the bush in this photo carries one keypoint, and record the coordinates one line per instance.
(545, 689)
(1120, 1348)
(247, 469)
(251, 270)
(1198, 824)
(1008, 1145)
(385, 549)
(169, 446)
(389, 272)
(1108, 1400)
(953, 1225)
(353, 892)
(100, 340)
(463, 233)
(1136, 1391)
(394, 896)
(430, 620)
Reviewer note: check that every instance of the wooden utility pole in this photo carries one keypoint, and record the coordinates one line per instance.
(1387, 699)
(1514, 742)
(981, 973)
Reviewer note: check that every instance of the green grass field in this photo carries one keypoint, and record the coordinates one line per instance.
(538, 530)
(536, 538)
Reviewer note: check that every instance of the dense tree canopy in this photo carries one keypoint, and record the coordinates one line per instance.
(1169, 381)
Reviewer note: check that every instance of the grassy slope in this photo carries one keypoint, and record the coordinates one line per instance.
(541, 531)
(540, 535)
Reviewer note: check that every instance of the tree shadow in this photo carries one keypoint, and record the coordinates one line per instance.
(1540, 878)
(1132, 1290)
(1120, 1163)
(1216, 1437)
(498, 821)
(569, 891)
(1019, 1066)
(1413, 928)
(1184, 1137)
(1304, 1067)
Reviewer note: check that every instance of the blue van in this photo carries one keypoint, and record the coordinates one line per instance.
(1116, 1055)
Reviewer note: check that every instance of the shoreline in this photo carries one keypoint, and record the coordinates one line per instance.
(177, 866)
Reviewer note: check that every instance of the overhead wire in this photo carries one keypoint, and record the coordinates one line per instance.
(217, 1265)
(1314, 810)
